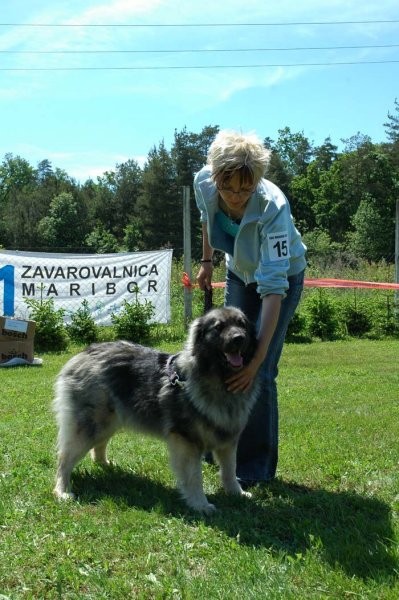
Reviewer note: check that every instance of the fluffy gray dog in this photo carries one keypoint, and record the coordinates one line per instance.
(181, 398)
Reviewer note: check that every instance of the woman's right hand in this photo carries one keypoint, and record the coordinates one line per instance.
(204, 277)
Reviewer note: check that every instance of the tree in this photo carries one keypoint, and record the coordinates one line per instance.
(44, 170)
(302, 193)
(321, 250)
(325, 155)
(355, 180)
(51, 183)
(351, 175)
(25, 197)
(359, 143)
(277, 172)
(290, 157)
(160, 202)
(374, 235)
(295, 151)
(189, 152)
(133, 235)
(15, 174)
(64, 226)
(128, 178)
(18, 202)
(392, 131)
(101, 241)
(392, 125)
(116, 195)
(305, 188)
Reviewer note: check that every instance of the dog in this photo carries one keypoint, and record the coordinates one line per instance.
(180, 398)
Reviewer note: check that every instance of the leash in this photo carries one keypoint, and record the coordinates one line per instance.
(208, 299)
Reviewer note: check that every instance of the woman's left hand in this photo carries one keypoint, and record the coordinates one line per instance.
(243, 380)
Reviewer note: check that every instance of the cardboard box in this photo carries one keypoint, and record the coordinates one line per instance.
(16, 339)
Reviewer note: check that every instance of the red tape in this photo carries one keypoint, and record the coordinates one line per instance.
(322, 283)
(347, 283)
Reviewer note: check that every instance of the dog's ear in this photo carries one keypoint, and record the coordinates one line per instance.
(196, 333)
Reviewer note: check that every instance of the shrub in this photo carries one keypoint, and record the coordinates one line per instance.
(82, 327)
(101, 241)
(322, 317)
(321, 250)
(357, 319)
(385, 319)
(132, 322)
(297, 331)
(50, 332)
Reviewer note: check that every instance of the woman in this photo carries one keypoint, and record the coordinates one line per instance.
(249, 218)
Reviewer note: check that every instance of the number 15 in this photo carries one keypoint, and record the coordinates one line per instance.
(281, 248)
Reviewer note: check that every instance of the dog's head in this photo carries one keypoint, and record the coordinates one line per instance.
(222, 338)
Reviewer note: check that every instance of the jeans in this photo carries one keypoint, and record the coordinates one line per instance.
(257, 452)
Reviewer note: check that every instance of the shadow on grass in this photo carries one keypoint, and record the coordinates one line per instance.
(345, 529)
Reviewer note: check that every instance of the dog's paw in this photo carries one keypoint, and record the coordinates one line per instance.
(64, 496)
(234, 488)
(209, 509)
(246, 494)
(206, 508)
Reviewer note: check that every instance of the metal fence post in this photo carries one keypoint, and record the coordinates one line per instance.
(396, 296)
(188, 299)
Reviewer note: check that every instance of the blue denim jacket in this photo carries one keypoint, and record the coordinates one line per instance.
(267, 248)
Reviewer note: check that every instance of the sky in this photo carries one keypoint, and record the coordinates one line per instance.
(89, 85)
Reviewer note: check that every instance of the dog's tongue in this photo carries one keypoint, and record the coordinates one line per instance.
(234, 359)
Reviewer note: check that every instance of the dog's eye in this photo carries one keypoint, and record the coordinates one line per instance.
(218, 326)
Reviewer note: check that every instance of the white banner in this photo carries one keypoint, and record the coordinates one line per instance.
(104, 280)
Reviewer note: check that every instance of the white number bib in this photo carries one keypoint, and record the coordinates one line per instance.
(278, 246)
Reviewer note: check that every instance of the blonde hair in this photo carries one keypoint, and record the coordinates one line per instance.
(232, 152)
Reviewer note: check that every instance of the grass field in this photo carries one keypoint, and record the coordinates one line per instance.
(328, 527)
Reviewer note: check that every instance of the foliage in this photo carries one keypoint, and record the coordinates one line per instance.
(133, 236)
(392, 125)
(20, 203)
(50, 332)
(278, 173)
(322, 316)
(374, 234)
(116, 195)
(294, 149)
(385, 318)
(350, 310)
(349, 196)
(357, 318)
(63, 227)
(101, 241)
(189, 152)
(320, 248)
(297, 329)
(132, 322)
(82, 327)
(158, 202)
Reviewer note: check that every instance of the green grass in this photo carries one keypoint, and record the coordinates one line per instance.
(326, 528)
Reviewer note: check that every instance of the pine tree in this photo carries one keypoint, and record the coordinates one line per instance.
(392, 125)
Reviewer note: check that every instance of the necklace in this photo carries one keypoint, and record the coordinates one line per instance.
(234, 218)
